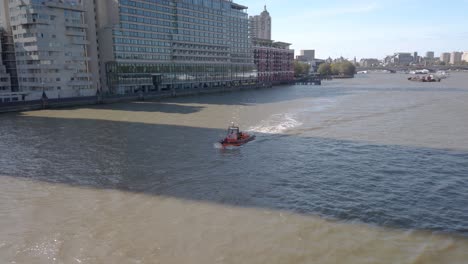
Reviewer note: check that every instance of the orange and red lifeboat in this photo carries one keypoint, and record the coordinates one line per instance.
(236, 138)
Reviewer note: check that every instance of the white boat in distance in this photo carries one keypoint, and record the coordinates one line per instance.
(424, 71)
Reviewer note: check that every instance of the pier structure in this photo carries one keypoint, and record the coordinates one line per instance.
(309, 80)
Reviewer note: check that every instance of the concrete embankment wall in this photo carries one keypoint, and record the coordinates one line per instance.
(82, 101)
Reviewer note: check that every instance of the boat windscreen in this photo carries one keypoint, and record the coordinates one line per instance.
(232, 130)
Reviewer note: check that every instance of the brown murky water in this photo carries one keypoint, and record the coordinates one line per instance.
(369, 170)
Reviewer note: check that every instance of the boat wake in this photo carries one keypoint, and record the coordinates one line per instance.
(278, 123)
(220, 146)
(217, 145)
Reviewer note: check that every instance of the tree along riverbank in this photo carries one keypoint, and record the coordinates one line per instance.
(337, 70)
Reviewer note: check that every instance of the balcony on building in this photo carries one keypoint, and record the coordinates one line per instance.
(64, 5)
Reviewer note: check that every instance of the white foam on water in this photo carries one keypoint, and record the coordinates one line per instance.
(221, 147)
(217, 145)
(281, 123)
(277, 123)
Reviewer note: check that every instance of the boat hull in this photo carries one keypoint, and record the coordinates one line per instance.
(424, 79)
(237, 143)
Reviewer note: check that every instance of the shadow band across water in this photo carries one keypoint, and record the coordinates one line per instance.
(386, 185)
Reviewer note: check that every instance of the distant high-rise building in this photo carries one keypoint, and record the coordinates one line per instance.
(260, 25)
(455, 57)
(415, 57)
(402, 58)
(445, 57)
(465, 56)
(306, 55)
(430, 55)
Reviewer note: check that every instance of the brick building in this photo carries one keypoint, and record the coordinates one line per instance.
(274, 61)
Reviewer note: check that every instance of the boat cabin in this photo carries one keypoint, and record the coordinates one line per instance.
(233, 130)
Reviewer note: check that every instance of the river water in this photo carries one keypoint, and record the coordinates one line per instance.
(367, 170)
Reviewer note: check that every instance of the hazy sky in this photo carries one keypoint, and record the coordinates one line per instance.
(372, 28)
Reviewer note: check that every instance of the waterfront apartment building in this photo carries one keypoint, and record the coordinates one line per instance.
(7, 51)
(260, 25)
(148, 46)
(456, 57)
(5, 84)
(274, 61)
(50, 48)
(445, 57)
(7, 93)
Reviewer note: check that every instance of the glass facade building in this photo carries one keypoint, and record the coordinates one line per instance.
(179, 44)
